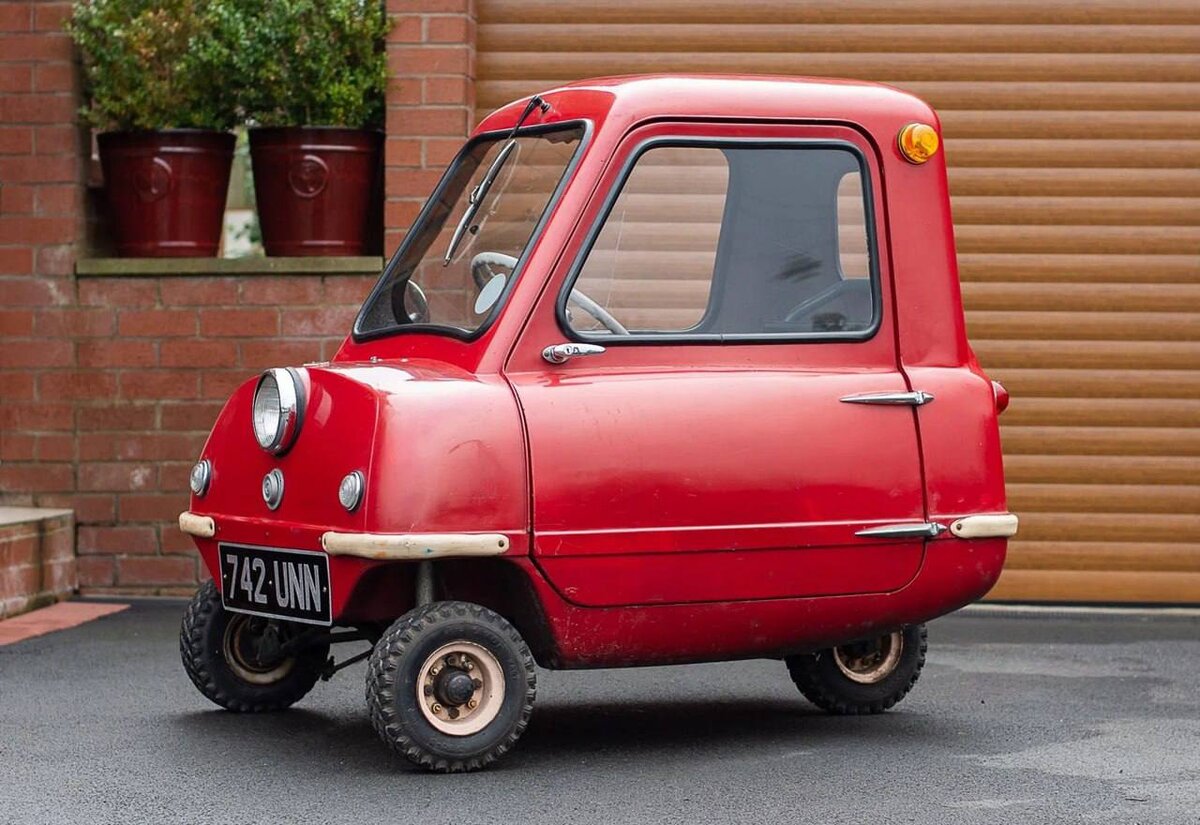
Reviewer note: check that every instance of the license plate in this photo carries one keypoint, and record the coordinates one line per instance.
(280, 584)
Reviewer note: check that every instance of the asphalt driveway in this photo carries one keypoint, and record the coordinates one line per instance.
(1017, 719)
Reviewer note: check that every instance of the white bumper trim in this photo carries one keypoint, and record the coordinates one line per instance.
(998, 526)
(414, 546)
(194, 525)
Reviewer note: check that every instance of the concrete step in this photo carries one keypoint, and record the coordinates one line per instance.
(37, 557)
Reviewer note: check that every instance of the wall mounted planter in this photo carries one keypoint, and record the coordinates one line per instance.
(316, 188)
(166, 190)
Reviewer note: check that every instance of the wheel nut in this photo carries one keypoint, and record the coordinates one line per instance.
(453, 713)
(436, 708)
(469, 665)
(478, 683)
(429, 690)
(473, 703)
(435, 670)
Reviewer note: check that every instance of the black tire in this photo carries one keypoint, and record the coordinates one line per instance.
(395, 669)
(202, 645)
(824, 684)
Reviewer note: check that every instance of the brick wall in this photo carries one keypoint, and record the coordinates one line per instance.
(112, 427)
(40, 163)
(41, 199)
(430, 101)
(109, 385)
(160, 358)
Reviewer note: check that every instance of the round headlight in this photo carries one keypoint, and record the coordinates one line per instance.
(201, 474)
(350, 491)
(278, 409)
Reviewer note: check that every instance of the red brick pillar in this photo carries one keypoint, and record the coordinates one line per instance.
(430, 101)
(41, 217)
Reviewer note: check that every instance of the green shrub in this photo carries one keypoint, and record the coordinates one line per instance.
(157, 64)
(313, 62)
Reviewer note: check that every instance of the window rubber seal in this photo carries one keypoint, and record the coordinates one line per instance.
(684, 338)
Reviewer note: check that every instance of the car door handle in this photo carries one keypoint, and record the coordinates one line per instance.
(909, 399)
(561, 353)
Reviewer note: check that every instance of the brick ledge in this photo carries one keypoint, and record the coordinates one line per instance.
(152, 267)
(10, 516)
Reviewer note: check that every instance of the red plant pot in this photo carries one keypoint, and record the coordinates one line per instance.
(166, 190)
(316, 187)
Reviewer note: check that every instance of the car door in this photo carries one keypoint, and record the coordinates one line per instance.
(710, 386)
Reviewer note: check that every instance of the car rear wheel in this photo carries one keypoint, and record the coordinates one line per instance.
(450, 686)
(862, 677)
(238, 661)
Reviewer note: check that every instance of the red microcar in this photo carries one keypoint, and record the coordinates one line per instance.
(669, 369)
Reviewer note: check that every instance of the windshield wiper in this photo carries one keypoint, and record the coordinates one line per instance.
(475, 199)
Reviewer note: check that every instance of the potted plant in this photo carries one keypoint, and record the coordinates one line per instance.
(156, 87)
(315, 73)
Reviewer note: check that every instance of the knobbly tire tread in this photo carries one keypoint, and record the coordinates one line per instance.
(201, 661)
(382, 684)
(822, 683)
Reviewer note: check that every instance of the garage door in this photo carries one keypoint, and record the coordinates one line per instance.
(1073, 138)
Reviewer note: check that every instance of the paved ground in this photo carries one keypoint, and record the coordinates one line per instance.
(1016, 720)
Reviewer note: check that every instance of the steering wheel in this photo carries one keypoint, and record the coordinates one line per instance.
(482, 273)
(409, 305)
(481, 266)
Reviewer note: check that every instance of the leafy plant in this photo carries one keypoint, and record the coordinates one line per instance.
(313, 62)
(157, 64)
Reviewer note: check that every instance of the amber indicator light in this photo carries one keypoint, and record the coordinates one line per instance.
(918, 142)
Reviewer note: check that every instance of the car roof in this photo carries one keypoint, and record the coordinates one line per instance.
(641, 97)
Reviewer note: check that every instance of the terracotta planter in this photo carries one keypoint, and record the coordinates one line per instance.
(316, 188)
(166, 190)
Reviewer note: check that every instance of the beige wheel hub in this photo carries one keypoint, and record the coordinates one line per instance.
(460, 688)
(240, 646)
(869, 664)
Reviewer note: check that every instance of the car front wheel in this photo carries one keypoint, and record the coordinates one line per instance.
(240, 662)
(450, 686)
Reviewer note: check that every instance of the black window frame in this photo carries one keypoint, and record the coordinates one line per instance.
(684, 337)
(458, 333)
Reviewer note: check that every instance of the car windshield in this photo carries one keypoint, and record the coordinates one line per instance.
(455, 268)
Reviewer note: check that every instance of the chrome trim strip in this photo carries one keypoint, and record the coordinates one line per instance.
(194, 525)
(988, 526)
(903, 531)
(414, 546)
(916, 398)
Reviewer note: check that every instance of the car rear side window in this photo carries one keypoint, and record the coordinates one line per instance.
(732, 241)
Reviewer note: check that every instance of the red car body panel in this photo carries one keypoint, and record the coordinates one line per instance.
(663, 503)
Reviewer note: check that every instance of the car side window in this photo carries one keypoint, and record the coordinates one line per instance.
(732, 241)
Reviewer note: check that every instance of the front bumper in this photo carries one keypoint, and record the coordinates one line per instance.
(381, 546)
(414, 546)
(199, 526)
(366, 583)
